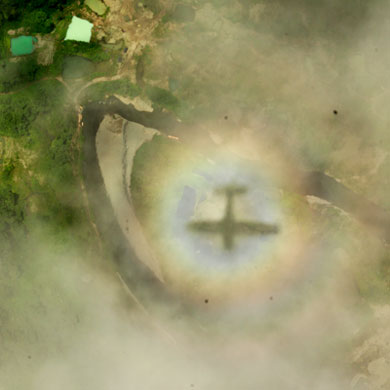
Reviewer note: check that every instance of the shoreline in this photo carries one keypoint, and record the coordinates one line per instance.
(130, 267)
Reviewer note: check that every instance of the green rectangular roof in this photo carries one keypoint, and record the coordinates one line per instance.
(22, 45)
(79, 30)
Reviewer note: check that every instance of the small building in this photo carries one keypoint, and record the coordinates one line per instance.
(23, 45)
(79, 30)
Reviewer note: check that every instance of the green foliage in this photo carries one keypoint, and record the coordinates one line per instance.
(153, 163)
(92, 51)
(56, 150)
(19, 110)
(103, 69)
(5, 44)
(17, 10)
(43, 124)
(50, 133)
(11, 210)
(108, 9)
(163, 98)
(98, 91)
(28, 70)
(55, 68)
(15, 74)
(61, 28)
(151, 159)
(38, 21)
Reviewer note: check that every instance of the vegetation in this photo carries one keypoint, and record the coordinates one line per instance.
(163, 98)
(44, 230)
(19, 110)
(37, 181)
(26, 70)
(38, 22)
(154, 162)
(5, 45)
(103, 69)
(98, 91)
(42, 17)
(152, 157)
(36, 15)
(92, 51)
(11, 207)
(61, 28)
(14, 74)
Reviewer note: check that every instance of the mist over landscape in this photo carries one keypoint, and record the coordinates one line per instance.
(194, 195)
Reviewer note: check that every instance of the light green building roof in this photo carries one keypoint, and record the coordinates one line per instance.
(96, 6)
(79, 30)
(22, 45)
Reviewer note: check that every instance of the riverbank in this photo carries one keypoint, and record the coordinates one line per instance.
(116, 149)
(131, 268)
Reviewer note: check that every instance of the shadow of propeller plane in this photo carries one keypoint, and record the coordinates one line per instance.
(228, 226)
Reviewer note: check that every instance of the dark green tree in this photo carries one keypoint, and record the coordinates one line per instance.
(41, 10)
(38, 21)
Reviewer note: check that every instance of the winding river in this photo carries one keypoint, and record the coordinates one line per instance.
(131, 269)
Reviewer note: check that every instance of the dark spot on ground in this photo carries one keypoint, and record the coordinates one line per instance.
(226, 117)
(206, 301)
(335, 112)
(29, 356)
(271, 298)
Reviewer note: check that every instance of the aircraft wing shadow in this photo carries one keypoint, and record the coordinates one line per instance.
(248, 227)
